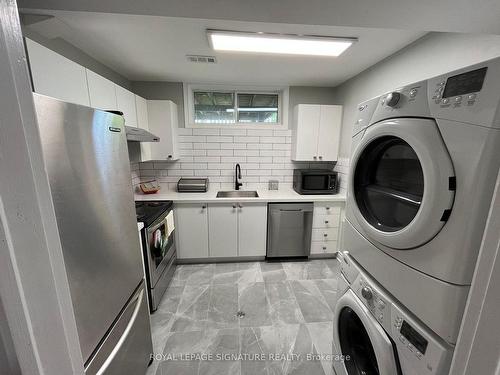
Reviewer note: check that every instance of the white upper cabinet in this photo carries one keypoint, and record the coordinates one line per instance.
(330, 123)
(101, 91)
(125, 102)
(141, 106)
(163, 122)
(56, 76)
(316, 132)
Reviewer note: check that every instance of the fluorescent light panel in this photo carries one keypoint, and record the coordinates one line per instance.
(278, 44)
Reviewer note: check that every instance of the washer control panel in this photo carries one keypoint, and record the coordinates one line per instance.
(423, 351)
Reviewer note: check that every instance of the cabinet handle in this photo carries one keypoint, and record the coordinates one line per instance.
(315, 157)
(324, 247)
(203, 207)
(327, 208)
(234, 206)
(321, 157)
(240, 206)
(325, 235)
(169, 156)
(326, 221)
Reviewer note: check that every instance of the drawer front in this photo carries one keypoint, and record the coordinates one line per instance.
(324, 235)
(327, 208)
(326, 247)
(326, 221)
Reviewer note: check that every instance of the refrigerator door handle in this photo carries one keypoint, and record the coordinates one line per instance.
(124, 336)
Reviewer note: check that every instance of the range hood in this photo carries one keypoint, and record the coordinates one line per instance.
(140, 135)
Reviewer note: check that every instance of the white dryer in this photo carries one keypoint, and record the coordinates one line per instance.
(422, 173)
(373, 334)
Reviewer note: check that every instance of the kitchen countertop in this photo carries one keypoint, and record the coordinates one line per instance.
(282, 195)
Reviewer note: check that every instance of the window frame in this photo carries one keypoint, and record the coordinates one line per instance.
(282, 92)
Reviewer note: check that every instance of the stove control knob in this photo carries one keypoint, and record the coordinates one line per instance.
(367, 293)
(393, 99)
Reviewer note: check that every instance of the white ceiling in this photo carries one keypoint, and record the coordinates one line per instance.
(154, 48)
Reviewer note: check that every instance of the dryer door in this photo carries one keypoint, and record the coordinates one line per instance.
(358, 335)
(401, 183)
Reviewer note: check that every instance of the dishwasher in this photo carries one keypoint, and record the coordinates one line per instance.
(289, 228)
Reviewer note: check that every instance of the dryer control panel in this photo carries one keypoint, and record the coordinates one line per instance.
(468, 95)
(424, 352)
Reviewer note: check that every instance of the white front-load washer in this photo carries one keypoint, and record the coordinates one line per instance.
(373, 334)
(422, 173)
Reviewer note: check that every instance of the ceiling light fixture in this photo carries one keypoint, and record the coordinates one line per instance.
(278, 43)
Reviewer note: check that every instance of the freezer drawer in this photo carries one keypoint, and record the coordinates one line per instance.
(289, 229)
(127, 347)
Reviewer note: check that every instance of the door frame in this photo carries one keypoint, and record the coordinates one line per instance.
(34, 290)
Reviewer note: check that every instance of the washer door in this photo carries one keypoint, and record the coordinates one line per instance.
(358, 335)
(402, 182)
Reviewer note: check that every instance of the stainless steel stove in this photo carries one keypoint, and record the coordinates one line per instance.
(158, 243)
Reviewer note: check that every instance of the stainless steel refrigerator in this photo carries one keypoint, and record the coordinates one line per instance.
(86, 157)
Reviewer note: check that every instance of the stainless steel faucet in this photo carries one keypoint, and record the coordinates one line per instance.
(237, 174)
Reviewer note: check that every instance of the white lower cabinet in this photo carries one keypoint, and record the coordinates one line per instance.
(191, 227)
(252, 229)
(327, 219)
(223, 230)
(237, 229)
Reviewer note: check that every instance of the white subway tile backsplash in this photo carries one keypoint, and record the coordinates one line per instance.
(245, 166)
(272, 139)
(282, 146)
(259, 159)
(184, 131)
(193, 165)
(207, 159)
(260, 132)
(259, 172)
(207, 172)
(246, 152)
(233, 132)
(246, 139)
(260, 146)
(283, 133)
(191, 138)
(185, 153)
(206, 146)
(233, 159)
(263, 154)
(220, 166)
(219, 152)
(185, 146)
(233, 146)
(205, 131)
(220, 139)
(180, 172)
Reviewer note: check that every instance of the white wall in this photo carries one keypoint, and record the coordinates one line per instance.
(434, 54)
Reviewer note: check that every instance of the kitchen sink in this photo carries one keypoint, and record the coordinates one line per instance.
(237, 194)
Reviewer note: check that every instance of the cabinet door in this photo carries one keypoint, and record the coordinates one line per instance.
(101, 91)
(141, 106)
(192, 230)
(252, 229)
(56, 76)
(223, 230)
(125, 101)
(329, 132)
(163, 122)
(306, 130)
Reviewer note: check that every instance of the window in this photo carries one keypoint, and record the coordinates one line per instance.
(237, 107)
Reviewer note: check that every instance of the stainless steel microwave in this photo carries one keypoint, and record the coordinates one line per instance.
(315, 181)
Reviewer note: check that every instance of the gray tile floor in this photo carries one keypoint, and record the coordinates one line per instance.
(287, 311)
